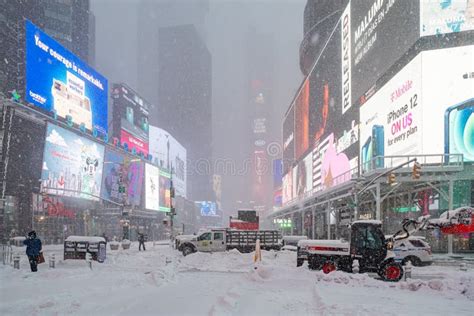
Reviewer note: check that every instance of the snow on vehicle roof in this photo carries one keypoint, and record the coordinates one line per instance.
(368, 221)
(323, 242)
(294, 238)
(85, 239)
(411, 237)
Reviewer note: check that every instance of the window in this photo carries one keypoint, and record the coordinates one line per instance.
(417, 243)
(218, 236)
(206, 236)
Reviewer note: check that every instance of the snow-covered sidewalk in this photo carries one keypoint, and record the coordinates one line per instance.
(161, 281)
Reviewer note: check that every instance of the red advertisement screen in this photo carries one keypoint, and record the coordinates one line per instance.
(134, 142)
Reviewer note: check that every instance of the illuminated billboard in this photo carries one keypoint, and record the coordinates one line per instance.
(207, 208)
(382, 31)
(130, 117)
(72, 165)
(120, 170)
(165, 191)
(152, 174)
(442, 17)
(422, 112)
(302, 120)
(177, 154)
(58, 81)
(289, 140)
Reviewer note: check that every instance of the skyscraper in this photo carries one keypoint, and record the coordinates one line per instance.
(184, 106)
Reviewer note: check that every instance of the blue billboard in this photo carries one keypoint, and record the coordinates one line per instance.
(58, 81)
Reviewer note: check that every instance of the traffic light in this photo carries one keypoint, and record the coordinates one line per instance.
(416, 173)
(391, 178)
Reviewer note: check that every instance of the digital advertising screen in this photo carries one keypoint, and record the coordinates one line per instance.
(423, 113)
(72, 165)
(443, 17)
(381, 32)
(289, 140)
(392, 120)
(448, 101)
(302, 176)
(287, 187)
(277, 173)
(130, 118)
(207, 208)
(333, 126)
(118, 166)
(178, 158)
(58, 81)
(165, 191)
(302, 120)
(152, 175)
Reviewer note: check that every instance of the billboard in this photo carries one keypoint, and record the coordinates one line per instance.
(423, 112)
(164, 191)
(448, 101)
(58, 81)
(287, 187)
(333, 125)
(442, 17)
(122, 170)
(152, 174)
(177, 154)
(391, 120)
(381, 32)
(302, 120)
(207, 208)
(288, 140)
(303, 176)
(72, 165)
(130, 118)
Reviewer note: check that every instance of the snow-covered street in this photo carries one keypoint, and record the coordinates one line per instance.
(161, 281)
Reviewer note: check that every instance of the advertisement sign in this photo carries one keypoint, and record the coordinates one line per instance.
(58, 81)
(448, 101)
(333, 125)
(423, 112)
(381, 32)
(152, 174)
(287, 188)
(391, 120)
(159, 139)
(442, 17)
(207, 208)
(303, 176)
(134, 143)
(130, 117)
(72, 165)
(277, 173)
(165, 191)
(120, 170)
(259, 126)
(346, 59)
(302, 120)
(288, 140)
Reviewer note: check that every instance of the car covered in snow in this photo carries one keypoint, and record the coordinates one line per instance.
(413, 249)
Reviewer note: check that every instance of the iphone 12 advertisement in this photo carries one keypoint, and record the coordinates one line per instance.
(459, 130)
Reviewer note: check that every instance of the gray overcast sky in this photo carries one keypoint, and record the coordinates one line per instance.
(226, 25)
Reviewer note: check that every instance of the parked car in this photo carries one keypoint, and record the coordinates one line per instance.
(414, 249)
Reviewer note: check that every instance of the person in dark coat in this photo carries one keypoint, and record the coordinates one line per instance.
(33, 249)
(141, 242)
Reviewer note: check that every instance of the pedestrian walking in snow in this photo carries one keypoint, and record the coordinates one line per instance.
(141, 242)
(33, 249)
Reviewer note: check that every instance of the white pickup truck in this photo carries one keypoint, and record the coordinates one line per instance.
(226, 239)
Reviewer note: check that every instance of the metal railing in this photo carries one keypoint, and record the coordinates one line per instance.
(444, 161)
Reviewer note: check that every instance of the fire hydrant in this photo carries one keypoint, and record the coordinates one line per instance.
(16, 261)
(52, 261)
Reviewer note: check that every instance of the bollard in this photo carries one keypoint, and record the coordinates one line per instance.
(16, 261)
(355, 266)
(52, 261)
(89, 260)
(463, 266)
(407, 274)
